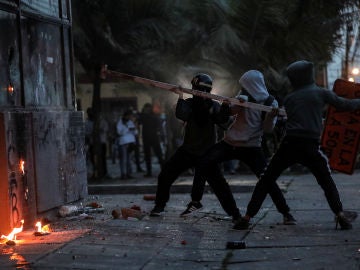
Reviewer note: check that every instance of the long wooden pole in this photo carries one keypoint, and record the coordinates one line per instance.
(177, 88)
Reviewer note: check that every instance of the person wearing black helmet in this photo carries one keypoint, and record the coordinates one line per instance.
(304, 109)
(201, 116)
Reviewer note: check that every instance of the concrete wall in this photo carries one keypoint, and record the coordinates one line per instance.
(39, 124)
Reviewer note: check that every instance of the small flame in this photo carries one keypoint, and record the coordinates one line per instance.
(22, 166)
(42, 229)
(12, 235)
(10, 89)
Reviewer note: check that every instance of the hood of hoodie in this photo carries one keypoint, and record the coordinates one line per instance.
(254, 83)
(300, 73)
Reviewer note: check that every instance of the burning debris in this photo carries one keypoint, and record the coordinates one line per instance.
(41, 230)
(11, 237)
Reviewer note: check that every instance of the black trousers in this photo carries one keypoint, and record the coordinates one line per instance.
(178, 163)
(154, 144)
(253, 157)
(296, 150)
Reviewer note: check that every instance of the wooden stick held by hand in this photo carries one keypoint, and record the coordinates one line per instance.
(176, 88)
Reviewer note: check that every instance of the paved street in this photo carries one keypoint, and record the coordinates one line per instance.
(98, 241)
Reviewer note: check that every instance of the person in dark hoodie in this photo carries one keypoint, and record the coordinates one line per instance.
(301, 144)
(201, 116)
(242, 141)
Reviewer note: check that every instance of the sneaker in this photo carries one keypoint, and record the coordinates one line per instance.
(343, 221)
(241, 224)
(157, 211)
(192, 207)
(289, 219)
(235, 219)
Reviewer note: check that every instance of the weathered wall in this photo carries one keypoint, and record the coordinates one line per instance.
(39, 124)
(51, 145)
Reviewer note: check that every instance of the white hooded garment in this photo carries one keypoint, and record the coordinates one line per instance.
(247, 128)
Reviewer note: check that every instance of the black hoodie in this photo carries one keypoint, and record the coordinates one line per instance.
(201, 116)
(305, 105)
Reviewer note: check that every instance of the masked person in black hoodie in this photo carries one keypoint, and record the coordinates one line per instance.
(301, 144)
(201, 116)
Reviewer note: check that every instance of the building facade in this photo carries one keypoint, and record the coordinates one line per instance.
(42, 134)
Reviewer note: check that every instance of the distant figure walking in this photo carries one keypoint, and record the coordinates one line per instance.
(151, 129)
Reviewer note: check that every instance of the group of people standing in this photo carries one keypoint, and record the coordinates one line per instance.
(127, 130)
(125, 142)
(304, 108)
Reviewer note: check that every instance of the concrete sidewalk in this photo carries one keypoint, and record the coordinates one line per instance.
(199, 242)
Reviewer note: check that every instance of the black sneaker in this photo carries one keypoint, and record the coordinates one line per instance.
(157, 211)
(343, 221)
(289, 219)
(241, 224)
(235, 219)
(192, 207)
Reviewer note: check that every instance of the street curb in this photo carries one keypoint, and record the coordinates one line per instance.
(144, 189)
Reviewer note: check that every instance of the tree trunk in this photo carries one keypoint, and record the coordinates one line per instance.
(99, 169)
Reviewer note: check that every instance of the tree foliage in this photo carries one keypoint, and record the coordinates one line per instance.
(166, 40)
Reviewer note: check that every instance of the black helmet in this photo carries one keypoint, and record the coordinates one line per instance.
(202, 82)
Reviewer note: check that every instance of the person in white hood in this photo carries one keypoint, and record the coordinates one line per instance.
(248, 127)
(242, 141)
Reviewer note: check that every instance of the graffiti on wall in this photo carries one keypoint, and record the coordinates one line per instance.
(43, 66)
(58, 150)
(18, 132)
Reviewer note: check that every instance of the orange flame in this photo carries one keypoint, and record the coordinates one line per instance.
(42, 229)
(12, 235)
(10, 89)
(22, 166)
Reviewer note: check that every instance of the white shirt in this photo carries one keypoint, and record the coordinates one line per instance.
(126, 132)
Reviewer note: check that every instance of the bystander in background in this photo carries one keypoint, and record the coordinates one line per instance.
(151, 125)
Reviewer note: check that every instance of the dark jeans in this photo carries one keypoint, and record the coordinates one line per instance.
(251, 156)
(179, 162)
(137, 154)
(125, 161)
(154, 144)
(103, 158)
(296, 150)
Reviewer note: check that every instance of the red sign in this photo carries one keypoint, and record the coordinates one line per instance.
(341, 135)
